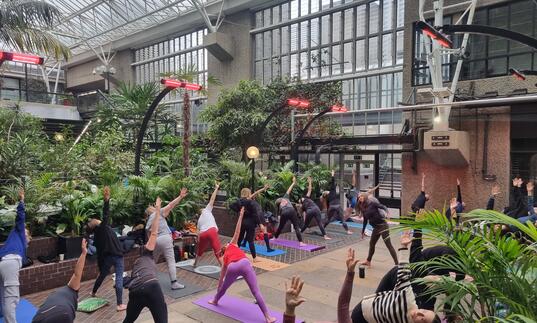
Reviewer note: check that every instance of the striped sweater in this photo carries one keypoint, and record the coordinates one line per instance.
(387, 307)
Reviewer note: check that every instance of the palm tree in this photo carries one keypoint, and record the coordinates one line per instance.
(25, 25)
(188, 74)
(503, 267)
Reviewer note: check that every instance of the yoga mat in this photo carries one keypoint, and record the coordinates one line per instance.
(185, 263)
(165, 285)
(25, 312)
(238, 309)
(262, 250)
(353, 225)
(192, 270)
(267, 264)
(91, 304)
(295, 245)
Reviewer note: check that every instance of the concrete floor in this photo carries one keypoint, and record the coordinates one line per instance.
(323, 275)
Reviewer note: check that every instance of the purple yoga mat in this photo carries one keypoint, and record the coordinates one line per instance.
(295, 245)
(238, 309)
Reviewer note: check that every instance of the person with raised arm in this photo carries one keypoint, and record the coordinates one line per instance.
(164, 242)
(61, 305)
(109, 251)
(292, 298)
(397, 305)
(237, 264)
(422, 198)
(208, 230)
(12, 255)
(334, 208)
(459, 207)
(260, 214)
(352, 196)
(311, 211)
(288, 213)
(371, 212)
(144, 287)
(250, 221)
(495, 191)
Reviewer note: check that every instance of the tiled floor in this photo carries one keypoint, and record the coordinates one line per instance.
(322, 270)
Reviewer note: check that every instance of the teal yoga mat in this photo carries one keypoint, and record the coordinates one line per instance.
(262, 250)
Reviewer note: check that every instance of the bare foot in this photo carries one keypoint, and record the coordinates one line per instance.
(270, 319)
(349, 232)
(213, 302)
(121, 307)
(302, 244)
(366, 263)
(93, 295)
(327, 238)
(256, 260)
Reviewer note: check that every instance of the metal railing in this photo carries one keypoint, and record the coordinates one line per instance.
(20, 94)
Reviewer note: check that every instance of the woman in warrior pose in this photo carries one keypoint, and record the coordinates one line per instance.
(311, 211)
(208, 230)
(334, 208)
(236, 264)
(288, 213)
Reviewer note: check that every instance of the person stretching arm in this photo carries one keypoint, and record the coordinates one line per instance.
(208, 230)
(259, 191)
(168, 208)
(494, 191)
(292, 298)
(234, 241)
(75, 280)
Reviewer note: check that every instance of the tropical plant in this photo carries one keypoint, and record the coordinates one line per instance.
(189, 73)
(74, 213)
(25, 27)
(503, 267)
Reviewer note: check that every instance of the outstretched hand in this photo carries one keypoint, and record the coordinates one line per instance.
(453, 203)
(405, 239)
(458, 182)
(106, 193)
(158, 202)
(495, 190)
(333, 173)
(21, 195)
(292, 295)
(184, 192)
(216, 184)
(351, 261)
(84, 246)
(530, 186)
(310, 180)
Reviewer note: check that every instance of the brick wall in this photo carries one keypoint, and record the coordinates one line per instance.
(40, 246)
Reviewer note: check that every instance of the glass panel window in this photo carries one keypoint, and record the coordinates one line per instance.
(325, 30)
(314, 63)
(294, 9)
(304, 67)
(304, 7)
(314, 6)
(314, 32)
(347, 57)
(325, 4)
(266, 17)
(386, 98)
(373, 87)
(294, 65)
(400, 13)
(520, 62)
(336, 60)
(361, 21)
(325, 61)
(373, 53)
(294, 37)
(348, 24)
(259, 71)
(397, 88)
(336, 27)
(258, 19)
(275, 67)
(304, 28)
(374, 17)
(276, 15)
(285, 65)
(266, 71)
(521, 22)
(497, 66)
(360, 55)
(258, 46)
(285, 12)
(387, 50)
(285, 39)
(275, 42)
(266, 43)
(387, 14)
(399, 54)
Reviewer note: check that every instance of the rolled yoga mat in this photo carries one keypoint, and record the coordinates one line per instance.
(165, 284)
(25, 312)
(238, 309)
(262, 250)
(296, 245)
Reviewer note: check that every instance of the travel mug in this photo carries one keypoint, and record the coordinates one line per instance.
(361, 271)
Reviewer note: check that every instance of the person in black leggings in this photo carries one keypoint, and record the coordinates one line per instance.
(288, 213)
(261, 216)
(334, 208)
(143, 285)
(250, 221)
(371, 212)
(459, 207)
(312, 211)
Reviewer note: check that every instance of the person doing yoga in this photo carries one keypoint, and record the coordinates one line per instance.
(236, 264)
(397, 305)
(261, 216)
(164, 244)
(420, 201)
(208, 230)
(311, 211)
(288, 213)
(459, 206)
(12, 255)
(352, 196)
(250, 221)
(109, 251)
(371, 213)
(334, 207)
(61, 305)
(144, 287)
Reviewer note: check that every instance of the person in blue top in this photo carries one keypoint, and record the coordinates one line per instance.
(12, 255)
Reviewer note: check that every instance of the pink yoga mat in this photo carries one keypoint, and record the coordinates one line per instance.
(296, 245)
(238, 309)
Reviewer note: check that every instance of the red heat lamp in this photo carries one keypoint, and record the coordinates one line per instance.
(182, 84)
(301, 104)
(339, 108)
(431, 32)
(21, 58)
(519, 75)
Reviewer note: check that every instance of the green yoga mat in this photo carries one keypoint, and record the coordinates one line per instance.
(91, 304)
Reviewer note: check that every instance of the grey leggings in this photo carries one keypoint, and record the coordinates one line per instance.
(9, 287)
(164, 247)
(381, 230)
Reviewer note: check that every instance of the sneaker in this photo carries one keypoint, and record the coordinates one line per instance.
(176, 285)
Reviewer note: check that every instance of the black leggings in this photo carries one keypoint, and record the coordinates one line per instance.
(148, 295)
(310, 215)
(289, 214)
(381, 230)
(249, 232)
(335, 211)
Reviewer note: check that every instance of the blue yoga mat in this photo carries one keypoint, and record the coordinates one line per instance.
(353, 225)
(262, 250)
(25, 312)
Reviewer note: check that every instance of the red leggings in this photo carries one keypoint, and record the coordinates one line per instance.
(208, 238)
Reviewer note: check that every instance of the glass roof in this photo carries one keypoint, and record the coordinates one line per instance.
(89, 23)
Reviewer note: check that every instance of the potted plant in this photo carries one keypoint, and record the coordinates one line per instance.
(74, 214)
